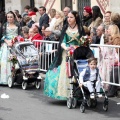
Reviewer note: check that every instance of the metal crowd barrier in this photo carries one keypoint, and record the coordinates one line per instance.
(47, 51)
(108, 52)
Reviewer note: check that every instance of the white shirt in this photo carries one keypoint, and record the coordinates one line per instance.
(52, 23)
(92, 75)
(102, 40)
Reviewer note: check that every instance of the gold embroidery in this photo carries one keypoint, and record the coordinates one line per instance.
(73, 36)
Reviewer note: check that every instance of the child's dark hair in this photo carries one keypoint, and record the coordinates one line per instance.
(27, 7)
(92, 59)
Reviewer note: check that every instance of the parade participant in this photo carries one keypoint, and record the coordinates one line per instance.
(10, 30)
(90, 76)
(56, 80)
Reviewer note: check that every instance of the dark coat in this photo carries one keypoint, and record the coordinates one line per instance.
(96, 40)
(65, 21)
(87, 21)
(44, 20)
(30, 23)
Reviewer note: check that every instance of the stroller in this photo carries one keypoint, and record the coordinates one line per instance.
(26, 70)
(77, 63)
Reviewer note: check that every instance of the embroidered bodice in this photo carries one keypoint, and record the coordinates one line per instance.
(71, 38)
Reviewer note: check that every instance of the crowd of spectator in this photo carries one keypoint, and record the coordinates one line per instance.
(35, 24)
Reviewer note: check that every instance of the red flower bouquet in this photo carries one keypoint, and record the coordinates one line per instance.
(17, 39)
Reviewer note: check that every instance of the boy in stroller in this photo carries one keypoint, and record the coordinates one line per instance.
(82, 78)
(89, 77)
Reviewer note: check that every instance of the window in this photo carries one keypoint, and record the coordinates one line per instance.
(32, 3)
(66, 3)
(81, 5)
(2, 5)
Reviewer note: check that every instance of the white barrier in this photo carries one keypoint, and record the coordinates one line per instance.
(47, 51)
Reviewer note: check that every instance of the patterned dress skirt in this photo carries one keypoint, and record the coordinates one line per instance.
(56, 82)
(5, 66)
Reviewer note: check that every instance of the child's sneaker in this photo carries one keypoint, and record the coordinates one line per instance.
(92, 95)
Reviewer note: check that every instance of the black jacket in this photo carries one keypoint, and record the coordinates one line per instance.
(44, 20)
(96, 40)
(87, 21)
(30, 23)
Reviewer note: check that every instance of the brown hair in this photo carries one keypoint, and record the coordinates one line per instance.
(27, 18)
(92, 59)
(115, 17)
(108, 12)
(87, 31)
(52, 13)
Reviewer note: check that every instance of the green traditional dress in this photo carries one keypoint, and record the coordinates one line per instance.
(56, 81)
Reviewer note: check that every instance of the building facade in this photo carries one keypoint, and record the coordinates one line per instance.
(112, 5)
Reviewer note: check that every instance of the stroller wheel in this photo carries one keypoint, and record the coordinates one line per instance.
(74, 103)
(82, 108)
(105, 107)
(89, 102)
(24, 85)
(69, 103)
(38, 84)
(10, 81)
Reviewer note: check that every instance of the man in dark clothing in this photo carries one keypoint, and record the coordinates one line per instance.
(44, 19)
(66, 10)
(99, 35)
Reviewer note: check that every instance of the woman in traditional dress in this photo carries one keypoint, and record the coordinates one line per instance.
(56, 81)
(10, 30)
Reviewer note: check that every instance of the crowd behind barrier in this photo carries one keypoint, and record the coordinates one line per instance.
(47, 52)
(111, 62)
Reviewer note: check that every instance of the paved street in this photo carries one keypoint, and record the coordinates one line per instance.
(31, 104)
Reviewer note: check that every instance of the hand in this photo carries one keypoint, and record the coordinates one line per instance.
(80, 85)
(99, 49)
(9, 43)
(67, 48)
